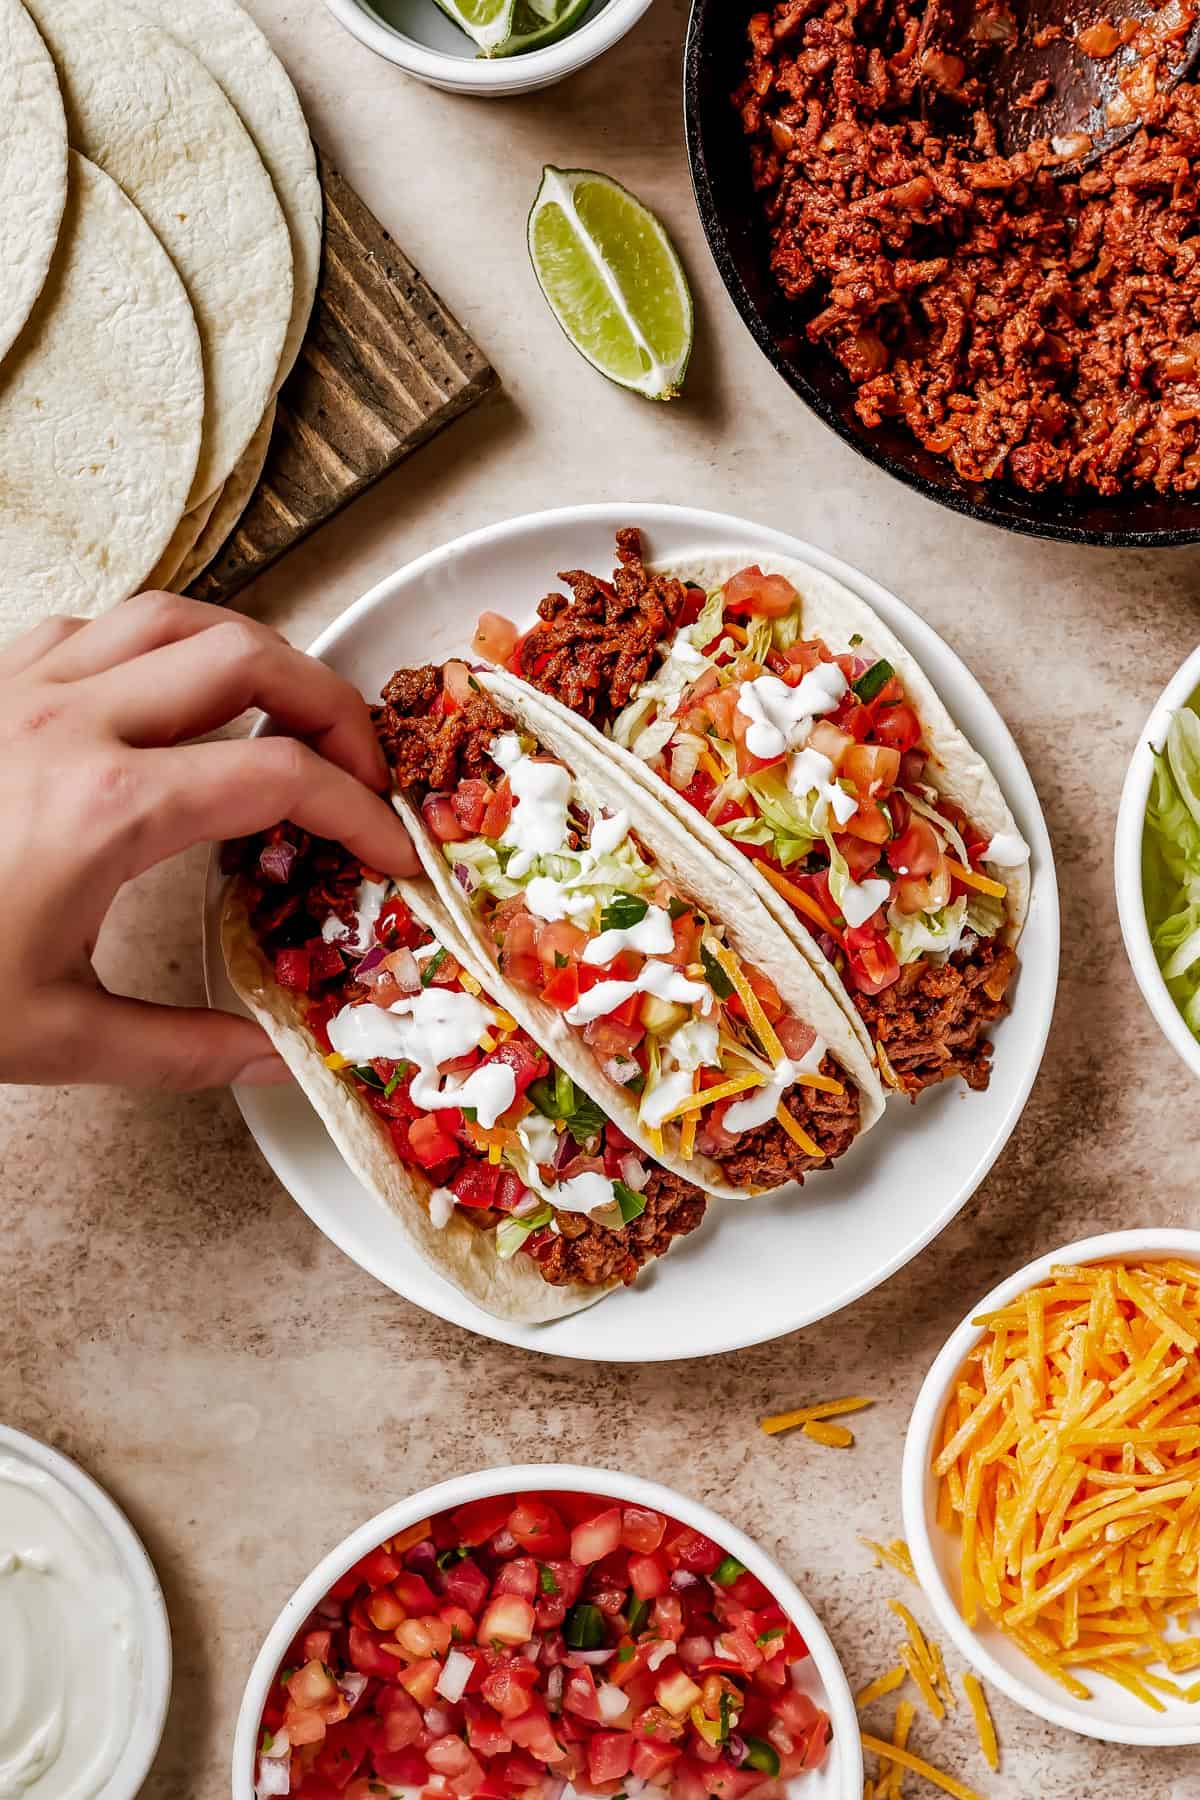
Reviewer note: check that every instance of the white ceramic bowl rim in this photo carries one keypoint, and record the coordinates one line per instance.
(503, 74)
(923, 1425)
(1127, 861)
(532, 1478)
(127, 1778)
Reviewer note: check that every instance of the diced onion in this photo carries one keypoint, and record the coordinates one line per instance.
(401, 965)
(504, 1543)
(611, 1700)
(634, 1174)
(438, 1720)
(683, 1578)
(369, 963)
(532, 1650)
(352, 1687)
(556, 1680)
(621, 1069)
(281, 1743)
(274, 1777)
(685, 759)
(456, 1672)
(659, 1654)
(465, 877)
(578, 1659)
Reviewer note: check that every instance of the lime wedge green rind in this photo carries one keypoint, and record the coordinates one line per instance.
(532, 29)
(612, 279)
(487, 22)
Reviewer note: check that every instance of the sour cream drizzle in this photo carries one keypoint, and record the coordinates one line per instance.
(652, 936)
(657, 978)
(782, 716)
(70, 1670)
(542, 792)
(428, 1029)
(1007, 850)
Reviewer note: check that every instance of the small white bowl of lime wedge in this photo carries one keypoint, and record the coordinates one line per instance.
(1143, 886)
(489, 47)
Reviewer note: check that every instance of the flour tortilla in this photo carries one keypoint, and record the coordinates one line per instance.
(228, 505)
(236, 54)
(33, 167)
(185, 534)
(465, 1256)
(716, 887)
(151, 115)
(832, 612)
(101, 408)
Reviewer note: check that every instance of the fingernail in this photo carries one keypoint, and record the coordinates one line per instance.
(263, 1071)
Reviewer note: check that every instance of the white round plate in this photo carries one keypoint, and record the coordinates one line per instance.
(761, 1267)
(840, 1776)
(125, 1782)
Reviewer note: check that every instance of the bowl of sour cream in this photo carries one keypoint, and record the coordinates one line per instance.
(85, 1673)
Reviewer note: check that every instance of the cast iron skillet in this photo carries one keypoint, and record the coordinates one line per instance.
(716, 52)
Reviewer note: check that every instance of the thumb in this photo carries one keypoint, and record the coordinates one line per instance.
(108, 1038)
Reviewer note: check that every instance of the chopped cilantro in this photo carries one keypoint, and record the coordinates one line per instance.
(432, 966)
(398, 1074)
(367, 1075)
(547, 1580)
(585, 1120)
(677, 907)
(622, 911)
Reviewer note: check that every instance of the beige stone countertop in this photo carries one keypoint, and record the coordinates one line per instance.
(171, 1318)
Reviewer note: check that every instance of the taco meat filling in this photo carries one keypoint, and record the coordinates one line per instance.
(432, 750)
(894, 891)
(294, 885)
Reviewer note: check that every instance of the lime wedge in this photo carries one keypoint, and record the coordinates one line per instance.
(612, 280)
(489, 22)
(536, 23)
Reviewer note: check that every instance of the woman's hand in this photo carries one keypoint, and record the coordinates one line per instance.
(97, 784)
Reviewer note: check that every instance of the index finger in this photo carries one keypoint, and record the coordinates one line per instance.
(203, 793)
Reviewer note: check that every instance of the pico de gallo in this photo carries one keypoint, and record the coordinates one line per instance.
(577, 913)
(490, 1128)
(810, 758)
(536, 1647)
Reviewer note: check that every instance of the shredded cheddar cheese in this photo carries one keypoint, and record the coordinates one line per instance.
(467, 980)
(737, 1084)
(687, 1135)
(896, 1554)
(893, 1753)
(760, 1025)
(825, 1083)
(797, 1132)
(824, 1409)
(711, 767)
(887, 1683)
(973, 1688)
(795, 896)
(334, 1061)
(1069, 1468)
(837, 1437)
(972, 878)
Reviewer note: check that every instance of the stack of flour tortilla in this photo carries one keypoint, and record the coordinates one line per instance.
(160, 235)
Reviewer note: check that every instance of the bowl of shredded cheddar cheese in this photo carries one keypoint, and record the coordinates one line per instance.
(1052, 1487)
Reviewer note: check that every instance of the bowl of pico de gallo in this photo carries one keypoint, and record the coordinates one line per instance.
(541, 1633)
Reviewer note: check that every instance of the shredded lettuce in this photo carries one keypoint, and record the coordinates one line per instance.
(601, 878)
(926, 933)
(511, 1233)
(789, 820)
(758, 641)
(647, 724)
(985, 915)
(948, 832)
(1171, 863)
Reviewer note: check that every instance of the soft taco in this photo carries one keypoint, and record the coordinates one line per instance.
(778, 717)
(503, 1174)
(641, 963)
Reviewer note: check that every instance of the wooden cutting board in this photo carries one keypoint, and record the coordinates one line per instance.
(383, 368)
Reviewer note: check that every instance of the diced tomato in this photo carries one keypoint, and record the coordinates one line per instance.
(458, 686)
(916, 851)
(699, 790)
(312, 1685)
(871, 962)
(829, 741)
(510, 1192)
(641, 1528)
(305, 1727)
(480, 1520)
(368, 1658)
(499, 811)
(596, 1537)
(379, 1569)
(325, 961)
(610, 1755)
(686, 930)
(652, 1760)
(520, 1576)
(538, 1528)
(486, 1732)
(796, 1037)
(649, 1576)
(420, 1679)
(861, 855)
(764, 596)
(495, 637)
(873, 768)
(852, 717)
(475, 1184)
(518, 948)
(466, 1585)
(430, 1145)
(523, 1057)
(385, 1611)
(693, 1550)
(924, 893)
(579, 1696)
(608, 1037)
(293, 970)
(405, 1768)
(461, 1623)
(532, 1730)
(318, 1646)
(438, 812)
(897, 726)
(507, 1619)
(395, 923)
(450, 1757)
(748, 762)
(559, 939)
(414, 1592)
(869, 822)
(508, 1688)
(470, 801)
(561, 986)
(402, 1719)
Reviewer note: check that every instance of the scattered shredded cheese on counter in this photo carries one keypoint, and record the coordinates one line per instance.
(823, 1409)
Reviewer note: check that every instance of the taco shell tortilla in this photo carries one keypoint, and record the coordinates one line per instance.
(463, 1255)
(753, 933)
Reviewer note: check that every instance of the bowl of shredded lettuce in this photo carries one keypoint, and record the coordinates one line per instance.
(1157, 857)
